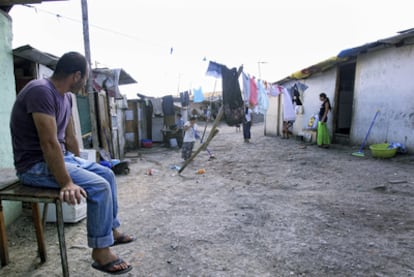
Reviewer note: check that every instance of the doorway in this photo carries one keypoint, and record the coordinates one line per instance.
(344, 102)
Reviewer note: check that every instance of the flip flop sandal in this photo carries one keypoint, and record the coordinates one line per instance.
(123, 239)
(107, 267)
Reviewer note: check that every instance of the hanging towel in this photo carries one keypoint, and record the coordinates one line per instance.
(246, 88)
(288, 110)
(262, 100)
(253, 92)
(157, 106)
(198, 95)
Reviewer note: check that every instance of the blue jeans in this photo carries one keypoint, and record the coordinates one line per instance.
(99, 183)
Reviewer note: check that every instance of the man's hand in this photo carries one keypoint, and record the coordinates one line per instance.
(72, 194)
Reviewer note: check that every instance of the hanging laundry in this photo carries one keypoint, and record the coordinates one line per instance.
(157, 106)
(214, 69)
(288, 110)
(168, 105)
(233, 105)
(246, 88)
(274, 90)
(262, 100)
(184, 99)
(301, 87)
(296, 96)
(148, 110)
(198, 95)
(253, 92)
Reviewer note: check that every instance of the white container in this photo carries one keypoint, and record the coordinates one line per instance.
(88, 154)
(173, 142)
(71, 213)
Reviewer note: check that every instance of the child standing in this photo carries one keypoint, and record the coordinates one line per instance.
(247, 124)
(179, 130)
(190, 136)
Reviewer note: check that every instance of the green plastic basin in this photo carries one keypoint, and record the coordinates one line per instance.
(381, 150)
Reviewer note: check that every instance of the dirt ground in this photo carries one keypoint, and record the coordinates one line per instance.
(273, 207)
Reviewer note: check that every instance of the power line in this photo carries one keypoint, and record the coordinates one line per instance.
(114, 32)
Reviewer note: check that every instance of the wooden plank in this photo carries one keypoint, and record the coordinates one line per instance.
(76, 120)
(4, 248)
(37, 221)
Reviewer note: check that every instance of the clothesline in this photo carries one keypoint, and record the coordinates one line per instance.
(256, 92)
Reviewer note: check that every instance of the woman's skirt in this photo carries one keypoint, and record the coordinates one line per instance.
(323, 137)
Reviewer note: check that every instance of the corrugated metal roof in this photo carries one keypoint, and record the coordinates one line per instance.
(34, 55)
(6, 5)
(124, 77)
(19, 2)
(319, 67)
(49, 60)
(405, 37)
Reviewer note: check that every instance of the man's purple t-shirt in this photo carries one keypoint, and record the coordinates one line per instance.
(38, 96)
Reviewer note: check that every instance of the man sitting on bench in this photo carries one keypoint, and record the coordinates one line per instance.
(46, 154)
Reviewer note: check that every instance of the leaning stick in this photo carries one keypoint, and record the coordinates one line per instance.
(213, 131)
(203, 146)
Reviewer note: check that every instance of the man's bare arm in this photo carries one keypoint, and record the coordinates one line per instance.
(52, 152)
(71, 142)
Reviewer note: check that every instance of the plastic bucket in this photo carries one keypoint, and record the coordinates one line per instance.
(146, 143)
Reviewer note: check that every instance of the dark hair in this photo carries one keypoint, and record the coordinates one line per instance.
(178, 114)
(193, 118)
(323, 95)
(69, 63)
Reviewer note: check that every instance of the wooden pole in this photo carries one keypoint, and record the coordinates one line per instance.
(89, 89)
(208, 118)
(204, 145)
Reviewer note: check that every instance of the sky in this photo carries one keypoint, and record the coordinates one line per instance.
(166, 45)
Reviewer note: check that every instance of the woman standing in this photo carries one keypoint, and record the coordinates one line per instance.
(323, 138)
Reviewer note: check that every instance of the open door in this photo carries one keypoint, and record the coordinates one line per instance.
(344, 103)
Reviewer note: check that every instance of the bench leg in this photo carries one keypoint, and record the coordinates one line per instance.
(4, 249)
(39, 231)
(61, 235)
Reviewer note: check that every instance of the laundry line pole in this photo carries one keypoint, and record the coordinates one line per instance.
(259, 68)
(89, 89)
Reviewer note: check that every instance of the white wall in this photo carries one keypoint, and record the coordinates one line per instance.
(7, 88)
(271, 117)
(12, 209)
(318, 83)
(385, 81)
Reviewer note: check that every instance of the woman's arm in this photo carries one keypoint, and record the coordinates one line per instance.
(325, 114)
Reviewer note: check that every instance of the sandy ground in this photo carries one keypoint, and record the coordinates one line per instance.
(273, 207)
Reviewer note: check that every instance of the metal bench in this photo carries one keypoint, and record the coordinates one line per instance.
(11, 189)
